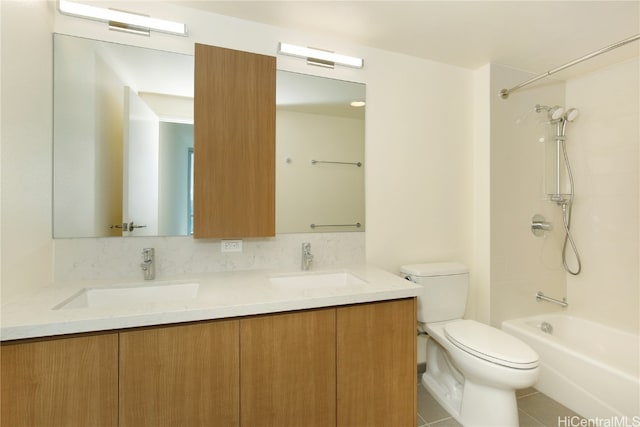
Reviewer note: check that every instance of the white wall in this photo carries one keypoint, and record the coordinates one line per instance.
(418, 155)
(88, 185)
(76, 94)
(419, 161)
(27, 247)
(321, 193)
(603, 150)
(603, 147)
(479, 298)
(509, 264)
(521, 263)
(140, 165)
(109, 154)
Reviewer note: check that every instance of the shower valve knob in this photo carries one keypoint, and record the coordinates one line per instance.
(539, 225)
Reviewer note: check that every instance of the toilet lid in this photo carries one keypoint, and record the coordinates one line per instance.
(491, 344)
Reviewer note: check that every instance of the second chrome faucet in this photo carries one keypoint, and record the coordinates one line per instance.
(148, 264)
(307, 256)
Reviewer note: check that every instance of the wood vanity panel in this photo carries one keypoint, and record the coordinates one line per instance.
(288, 369)
(184, 375)
(376, 362)
(60, 382)
(234, 143)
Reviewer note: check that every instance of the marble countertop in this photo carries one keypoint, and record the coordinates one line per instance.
(220, 295)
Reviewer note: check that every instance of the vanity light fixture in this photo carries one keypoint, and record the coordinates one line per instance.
(320, 57)
(122, 21)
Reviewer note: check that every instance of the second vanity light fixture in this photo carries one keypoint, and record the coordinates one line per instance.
(122, 21)
(320, 57)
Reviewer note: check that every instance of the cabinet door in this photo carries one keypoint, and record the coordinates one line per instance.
(234, 143)
(60, 382)
(288, 369)
(376, 364)
(183, 375)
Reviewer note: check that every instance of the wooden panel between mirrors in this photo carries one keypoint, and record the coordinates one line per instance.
(234, 143)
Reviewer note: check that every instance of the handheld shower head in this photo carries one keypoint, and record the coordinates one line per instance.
(571, 114)
(555, 112)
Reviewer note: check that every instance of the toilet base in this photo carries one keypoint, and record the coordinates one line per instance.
(476, 405)
(451, 402)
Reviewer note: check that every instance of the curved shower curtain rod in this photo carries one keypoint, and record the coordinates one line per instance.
(504, 93)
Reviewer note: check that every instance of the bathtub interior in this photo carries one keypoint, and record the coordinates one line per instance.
(590, 368)
(614, 347)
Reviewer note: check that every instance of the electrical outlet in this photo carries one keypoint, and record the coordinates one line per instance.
(231, 246)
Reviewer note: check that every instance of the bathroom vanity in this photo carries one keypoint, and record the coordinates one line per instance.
(225, 349)
(250, 348)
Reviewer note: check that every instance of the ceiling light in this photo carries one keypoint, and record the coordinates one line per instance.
(319, 56)
(120, 20)
(358, 103)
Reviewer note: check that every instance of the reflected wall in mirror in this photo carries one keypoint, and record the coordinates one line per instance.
(319, 153)
(123, 145)
(122, 139)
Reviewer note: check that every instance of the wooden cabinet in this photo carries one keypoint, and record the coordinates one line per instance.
(376, 361)
(234, 143)
(288, 369)
(347, 366)
(350, 366)
(184, 375)
(60, 382)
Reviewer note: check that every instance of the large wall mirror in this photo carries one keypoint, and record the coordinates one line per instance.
(123, 145)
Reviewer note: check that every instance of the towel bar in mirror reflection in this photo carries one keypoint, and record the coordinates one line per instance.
(357, 225)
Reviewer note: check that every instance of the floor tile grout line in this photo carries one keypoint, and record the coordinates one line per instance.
(439, 420)
(421, 421)
(528, 394)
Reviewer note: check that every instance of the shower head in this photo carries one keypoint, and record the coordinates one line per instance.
(571, 114)
(555, 112)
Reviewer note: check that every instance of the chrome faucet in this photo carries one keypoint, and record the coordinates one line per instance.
(307, 256)
(148, 265)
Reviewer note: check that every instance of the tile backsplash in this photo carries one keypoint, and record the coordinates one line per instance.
(119, 258)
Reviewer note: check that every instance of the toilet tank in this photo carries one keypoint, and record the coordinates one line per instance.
(445, 287)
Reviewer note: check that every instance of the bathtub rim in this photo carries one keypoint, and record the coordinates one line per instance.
(554, 342)
(587, 396)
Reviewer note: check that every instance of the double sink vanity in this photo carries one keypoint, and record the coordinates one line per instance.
(250, 348)
(237, 348)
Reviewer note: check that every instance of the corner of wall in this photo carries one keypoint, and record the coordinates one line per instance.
(26, 145)
(479, 303)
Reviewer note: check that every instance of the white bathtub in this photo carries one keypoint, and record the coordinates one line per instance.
(588, 367)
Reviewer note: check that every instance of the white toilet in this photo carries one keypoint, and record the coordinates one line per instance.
(473, 369)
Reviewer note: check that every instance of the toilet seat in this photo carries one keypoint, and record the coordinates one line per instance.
(490, 344)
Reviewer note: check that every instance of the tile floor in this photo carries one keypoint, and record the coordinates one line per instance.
(535, 410)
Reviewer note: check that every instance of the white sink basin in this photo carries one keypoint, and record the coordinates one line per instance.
(119, 296)
(316, 280)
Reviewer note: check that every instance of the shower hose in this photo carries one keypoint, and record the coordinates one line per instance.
(566, 220)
